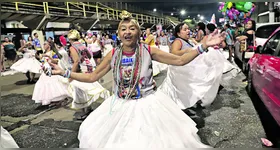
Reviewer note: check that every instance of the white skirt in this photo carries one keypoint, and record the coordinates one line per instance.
(230, 71)
(84, 94)
(7, 141)
(157, 66)
(150, 122)
(50, 89)
(107, 49)
(197, 80)
(27, 64)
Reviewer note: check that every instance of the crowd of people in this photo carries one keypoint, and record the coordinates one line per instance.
(138, 113)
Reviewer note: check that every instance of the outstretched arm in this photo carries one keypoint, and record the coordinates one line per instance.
(99, 72)
(171, 59)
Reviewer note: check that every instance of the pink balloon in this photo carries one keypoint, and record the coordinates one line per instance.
(221, 7)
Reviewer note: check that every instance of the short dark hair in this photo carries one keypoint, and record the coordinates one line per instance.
(178, 28)
(57, 41)
(34, 34)
(227, 25)
(211, 27)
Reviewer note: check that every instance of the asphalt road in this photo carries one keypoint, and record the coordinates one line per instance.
(230, 122)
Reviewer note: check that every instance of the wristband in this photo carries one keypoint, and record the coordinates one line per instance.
(67, 74)
(200, 49)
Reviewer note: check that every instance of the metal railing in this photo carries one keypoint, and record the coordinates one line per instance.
(84, 10)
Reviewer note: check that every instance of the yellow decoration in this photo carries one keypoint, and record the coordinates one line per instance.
(229, 5)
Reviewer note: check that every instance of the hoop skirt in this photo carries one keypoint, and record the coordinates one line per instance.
(84, 94)
(27, 63)
(153, 121)
(50, 89)
(197, 80)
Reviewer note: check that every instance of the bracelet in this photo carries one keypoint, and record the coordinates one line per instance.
(200, 49)
(67, 74)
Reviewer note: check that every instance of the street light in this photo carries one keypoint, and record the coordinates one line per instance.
(155, 9)
(171, 14)
(201, 18)
(198, 15)
(183, 12)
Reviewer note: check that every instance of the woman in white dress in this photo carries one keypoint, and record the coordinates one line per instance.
(197, 81)
(163, 42)
(50, 89)
(28, 64)
(230, 71)
(83, 94)
(107, 45)
(137, 115)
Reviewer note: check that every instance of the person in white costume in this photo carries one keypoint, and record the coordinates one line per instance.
(49, 89)
(83, 94)
(28, 64)
(230, 71)
(137, 115)
(163, 42)
(7, 141)
(107, 45)
(196, 82)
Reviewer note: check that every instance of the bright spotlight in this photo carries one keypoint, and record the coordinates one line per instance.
(171, 14)
(201, 18)
(155, 9)
(198, 15)
(183, 12)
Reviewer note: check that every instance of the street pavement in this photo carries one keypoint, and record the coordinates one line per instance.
(230, 122)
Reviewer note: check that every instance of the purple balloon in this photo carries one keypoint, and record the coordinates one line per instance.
(252, 9)
(246, 20)
(230, 15)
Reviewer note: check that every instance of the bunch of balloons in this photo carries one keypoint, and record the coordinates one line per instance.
(237, 12)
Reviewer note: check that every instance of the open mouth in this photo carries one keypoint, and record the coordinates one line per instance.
(128, 37)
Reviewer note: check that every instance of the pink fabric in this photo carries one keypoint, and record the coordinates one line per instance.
(63, 40)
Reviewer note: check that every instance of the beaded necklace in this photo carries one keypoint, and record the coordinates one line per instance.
(136, 69)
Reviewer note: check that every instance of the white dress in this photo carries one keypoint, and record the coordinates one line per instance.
(198, 80)
(107, 46)
(158, 67)
(27, 63)
(50, 89)
(83, 94)
(153, 121)
(7, 141)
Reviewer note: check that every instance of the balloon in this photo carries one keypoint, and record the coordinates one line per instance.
(234, 11)
(240, 3)
(230, 15)
(221, 7)
(224, 8)
(252, 9)
(241, 15)
(234, 16)
(248, 5)
(229, 5)
(239, 7)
